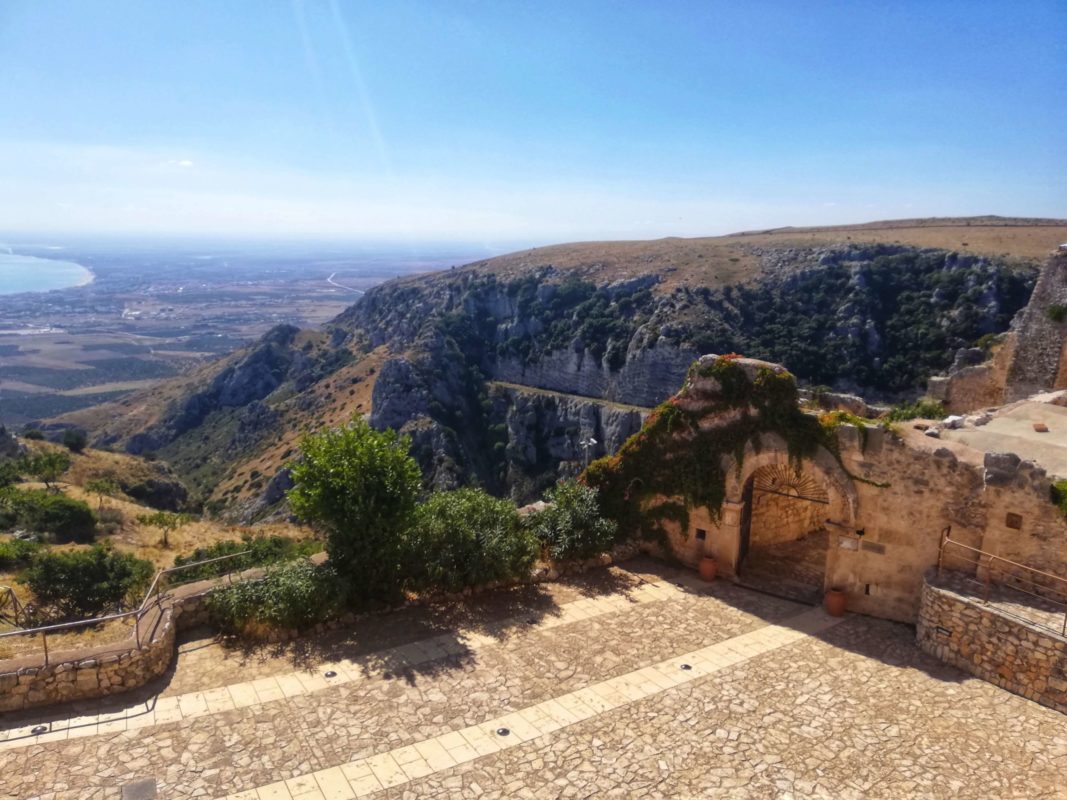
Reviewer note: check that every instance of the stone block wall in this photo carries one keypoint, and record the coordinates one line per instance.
(1023, 658)
(777, 519)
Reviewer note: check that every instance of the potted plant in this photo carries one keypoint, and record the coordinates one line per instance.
(707, 568)
(834, 601)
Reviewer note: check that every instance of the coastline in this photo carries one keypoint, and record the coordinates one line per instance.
(67, 275)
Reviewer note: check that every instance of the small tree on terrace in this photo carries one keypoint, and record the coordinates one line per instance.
(166, 521)
(48, 466)
(359, 485)
(102, 487)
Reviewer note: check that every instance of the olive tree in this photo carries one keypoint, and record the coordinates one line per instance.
(166, 521)
(48, 466)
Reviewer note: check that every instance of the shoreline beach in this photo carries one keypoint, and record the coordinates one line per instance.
(22, 274)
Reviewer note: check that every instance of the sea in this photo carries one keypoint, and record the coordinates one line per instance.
(32, 274)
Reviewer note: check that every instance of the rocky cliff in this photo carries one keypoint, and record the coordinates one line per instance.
(498, 370)
(1039, 360)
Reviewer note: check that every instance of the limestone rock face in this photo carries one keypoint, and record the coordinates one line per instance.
(545, 436)
(647, 378)
(1040, 358)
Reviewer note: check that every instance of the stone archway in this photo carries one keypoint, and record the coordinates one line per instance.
(786, 514)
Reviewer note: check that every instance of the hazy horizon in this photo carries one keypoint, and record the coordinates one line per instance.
(417, 122)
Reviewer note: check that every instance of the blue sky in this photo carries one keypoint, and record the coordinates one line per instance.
(489, 120)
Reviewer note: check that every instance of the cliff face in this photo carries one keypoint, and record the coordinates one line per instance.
(873, 318)
(1039, 360)
(646, 378)
(498, 374)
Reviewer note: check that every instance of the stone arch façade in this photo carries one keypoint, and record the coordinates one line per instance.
(726, 541)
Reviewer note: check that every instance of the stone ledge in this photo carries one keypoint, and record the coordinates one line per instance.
(1021, 656)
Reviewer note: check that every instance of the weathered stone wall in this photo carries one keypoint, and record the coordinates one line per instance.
(906, 497)
(104, 670)
(777, 519)
(1018, 656)
(975, 387)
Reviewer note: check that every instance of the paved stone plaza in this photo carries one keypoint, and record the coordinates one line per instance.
(628, 682)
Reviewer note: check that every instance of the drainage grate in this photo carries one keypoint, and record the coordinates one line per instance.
(143, 789)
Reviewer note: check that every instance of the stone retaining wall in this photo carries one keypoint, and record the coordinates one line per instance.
(1005, 650)
(104, 670)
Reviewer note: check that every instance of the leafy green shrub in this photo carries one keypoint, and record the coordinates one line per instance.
(109, 520)
(10, 473)
(85, 583)
(39, 510)
(1059, 495)
(262, 550)
(16, 553)
(572, 526)
(32, 433)
(920, 409)
(1057, 312)
(360, 486)
(468, 538)
(293, 595)
(74, 439)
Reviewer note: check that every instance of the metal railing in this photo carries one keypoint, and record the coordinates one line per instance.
(1049, 589)
(154, 590)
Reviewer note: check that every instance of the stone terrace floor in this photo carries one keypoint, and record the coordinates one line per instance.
(634, 681)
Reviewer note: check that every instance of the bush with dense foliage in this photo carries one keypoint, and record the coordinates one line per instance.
(10, 472)
(43, 512)
(16, 553)
(33, 434)
(258, 551)
(84, 583)
(468, 538)
(74, 439)
(920, 409)
(360, 486)
(292, 595)
(1058, 490)
(573, 525)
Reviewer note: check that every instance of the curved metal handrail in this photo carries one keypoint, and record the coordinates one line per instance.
(138, 613)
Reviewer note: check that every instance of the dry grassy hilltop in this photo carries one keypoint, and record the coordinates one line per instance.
(724, 260)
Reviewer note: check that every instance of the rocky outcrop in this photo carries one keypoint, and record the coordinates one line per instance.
(647, 378)
(551, 436)
(1040, 358)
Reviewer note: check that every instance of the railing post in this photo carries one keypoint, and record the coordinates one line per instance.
(44, 641)
(945, 533)
(137, 629)
(988, 571)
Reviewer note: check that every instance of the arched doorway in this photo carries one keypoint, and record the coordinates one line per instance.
(784, 538)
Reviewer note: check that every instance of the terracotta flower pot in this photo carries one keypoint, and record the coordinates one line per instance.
(834, 602)
(708, 567)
